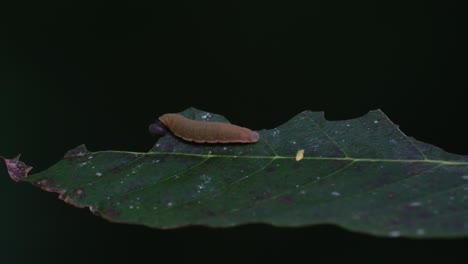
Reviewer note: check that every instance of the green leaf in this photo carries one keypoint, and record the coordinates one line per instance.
(362, 174)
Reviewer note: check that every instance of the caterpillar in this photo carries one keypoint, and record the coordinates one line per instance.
(203, 131)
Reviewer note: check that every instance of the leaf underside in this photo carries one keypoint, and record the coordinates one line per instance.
(362, 174)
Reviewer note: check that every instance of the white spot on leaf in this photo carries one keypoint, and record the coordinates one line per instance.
(394, 233)
(420, 232)
(414, 204)
(276, 132)
(205, 116)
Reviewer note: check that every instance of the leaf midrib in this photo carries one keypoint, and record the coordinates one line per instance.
(443, 162)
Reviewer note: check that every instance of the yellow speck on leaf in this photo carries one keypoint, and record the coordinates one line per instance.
(299, 155)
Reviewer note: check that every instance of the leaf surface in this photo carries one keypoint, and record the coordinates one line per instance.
(362, 174)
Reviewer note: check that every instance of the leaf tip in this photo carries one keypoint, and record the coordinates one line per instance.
(378, 110)
(16, 168)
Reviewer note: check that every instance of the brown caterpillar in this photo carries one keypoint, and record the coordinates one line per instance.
(206, 132)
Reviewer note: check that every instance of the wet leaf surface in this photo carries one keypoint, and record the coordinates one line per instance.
(362, 174)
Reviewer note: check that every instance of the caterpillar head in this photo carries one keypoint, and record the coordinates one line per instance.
(157, 129)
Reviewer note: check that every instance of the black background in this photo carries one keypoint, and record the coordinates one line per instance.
(98, 74)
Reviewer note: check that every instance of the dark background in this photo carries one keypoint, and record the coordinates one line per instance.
(99, 74)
